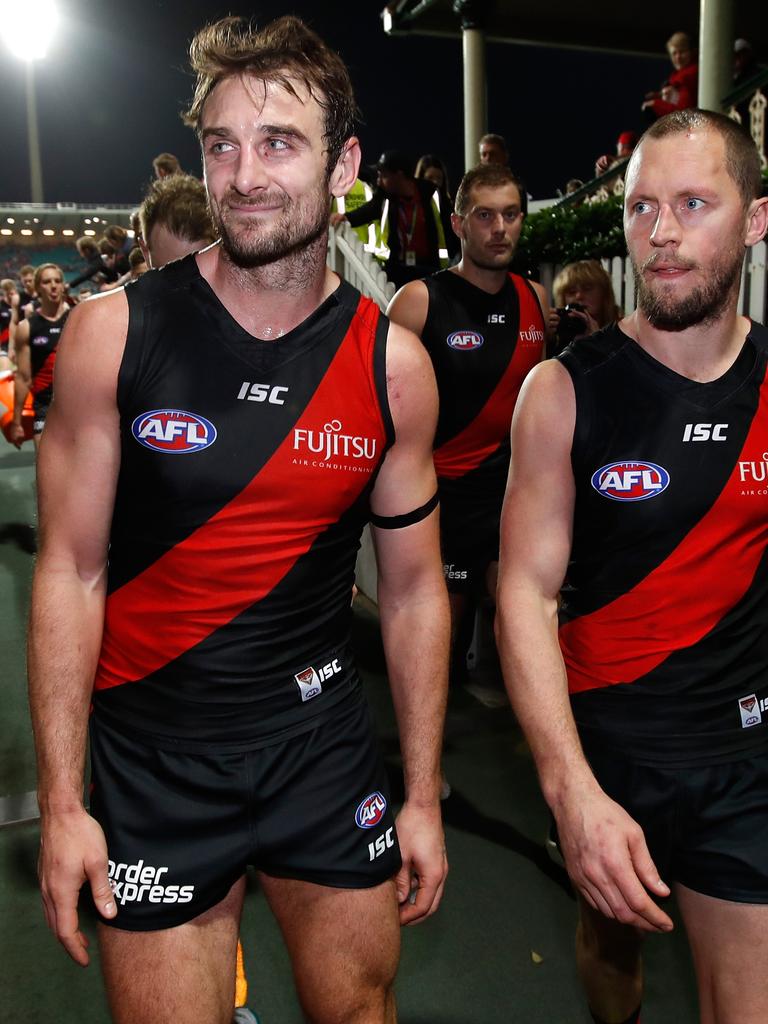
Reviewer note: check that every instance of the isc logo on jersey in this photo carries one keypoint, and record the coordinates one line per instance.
(371, 810)
(310, 682)
(465, 341)
(173, 431)
(630, 481)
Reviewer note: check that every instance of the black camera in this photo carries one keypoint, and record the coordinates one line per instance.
(570, 327)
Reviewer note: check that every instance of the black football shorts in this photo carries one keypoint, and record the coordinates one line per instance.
(706, 826)
(182, 827)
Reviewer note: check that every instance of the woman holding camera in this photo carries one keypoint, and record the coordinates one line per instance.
(584, 302)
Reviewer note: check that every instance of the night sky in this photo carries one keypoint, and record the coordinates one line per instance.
(110, 93)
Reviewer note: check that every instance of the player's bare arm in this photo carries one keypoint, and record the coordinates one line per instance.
(77, 473)
(413, 606)
(409, 307)
(604, 849)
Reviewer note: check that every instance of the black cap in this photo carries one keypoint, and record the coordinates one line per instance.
(395, 160)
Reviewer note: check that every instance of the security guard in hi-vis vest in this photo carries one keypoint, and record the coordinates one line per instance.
(360, 193)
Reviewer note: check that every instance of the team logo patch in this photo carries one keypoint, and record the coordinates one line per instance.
(465, 341)
(173, 431)
(750, 711)
(371, 810)
(630, 481)
(309, 683)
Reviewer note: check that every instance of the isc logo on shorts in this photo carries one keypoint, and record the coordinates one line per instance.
(630, 481)
(173, 431)
(371, 810)
(465, 341)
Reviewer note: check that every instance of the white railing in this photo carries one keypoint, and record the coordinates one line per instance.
(753, 294)
(347, 256)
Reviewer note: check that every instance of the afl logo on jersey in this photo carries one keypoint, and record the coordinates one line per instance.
(630, 481)
(465, 341)
(371, 810)
(173, 431)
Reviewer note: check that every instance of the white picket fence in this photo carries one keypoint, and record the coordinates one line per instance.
(753, 295)
(348, 257)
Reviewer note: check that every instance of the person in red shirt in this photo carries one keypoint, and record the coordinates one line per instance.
(680, 90)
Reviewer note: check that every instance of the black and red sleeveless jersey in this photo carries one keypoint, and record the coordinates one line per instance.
(244, 484)
(482, 346)
(664, 620)
(6, 318)
(44, 336)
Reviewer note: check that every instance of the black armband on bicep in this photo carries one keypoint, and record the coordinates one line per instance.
(408, 518)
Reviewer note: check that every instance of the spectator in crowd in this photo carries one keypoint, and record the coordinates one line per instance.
(681, 88)
(625, 143)
(745, 67)
(174, 220)
(573, 185)
(122, 243)
(585, 283)
(96, 270)
(493, 150)
(412, 225)
(166, 164)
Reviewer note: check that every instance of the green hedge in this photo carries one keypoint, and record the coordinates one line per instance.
(562, 234)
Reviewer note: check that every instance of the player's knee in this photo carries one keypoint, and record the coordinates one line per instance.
(356, 1005)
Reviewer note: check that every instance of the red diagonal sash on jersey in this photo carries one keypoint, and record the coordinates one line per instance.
(231, 561)
(480, 438)
(44, 377)
(683, 598)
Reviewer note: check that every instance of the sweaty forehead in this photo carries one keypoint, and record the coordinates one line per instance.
(679, 160)
(244, 96)
(495, 198)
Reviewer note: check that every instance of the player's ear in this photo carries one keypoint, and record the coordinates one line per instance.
(344, 174)
(457, 223)
(757, 221)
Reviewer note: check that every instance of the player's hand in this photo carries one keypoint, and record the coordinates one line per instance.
(608, 861)
(336, 219)
(16, 435)
(72, 851)
(421, 879)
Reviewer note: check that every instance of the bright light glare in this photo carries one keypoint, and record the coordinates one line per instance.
(68, 232)
(5, 231)
(26, 231)
(28, 29)
(48, 231)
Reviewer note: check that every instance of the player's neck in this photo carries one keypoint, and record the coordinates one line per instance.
(702, 353)
(51, 311)
(270, 300)
(491, 281)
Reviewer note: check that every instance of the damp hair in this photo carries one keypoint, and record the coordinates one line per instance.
(180, 204)
(285, 52)
(487, 176)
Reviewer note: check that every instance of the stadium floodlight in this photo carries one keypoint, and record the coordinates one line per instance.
(28, 29)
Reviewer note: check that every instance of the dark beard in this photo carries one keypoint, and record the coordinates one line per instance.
(704, 305)
(290, 235)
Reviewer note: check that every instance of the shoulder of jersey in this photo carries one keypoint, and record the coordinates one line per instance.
(598, 348)
(176, 274)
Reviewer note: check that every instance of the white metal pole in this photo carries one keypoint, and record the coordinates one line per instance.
(475, 108)
(715, 52)
(33, 135)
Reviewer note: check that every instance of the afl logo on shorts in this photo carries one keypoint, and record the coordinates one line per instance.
(465, 341)
(371, 811)
(630, 481)
(173, 431)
